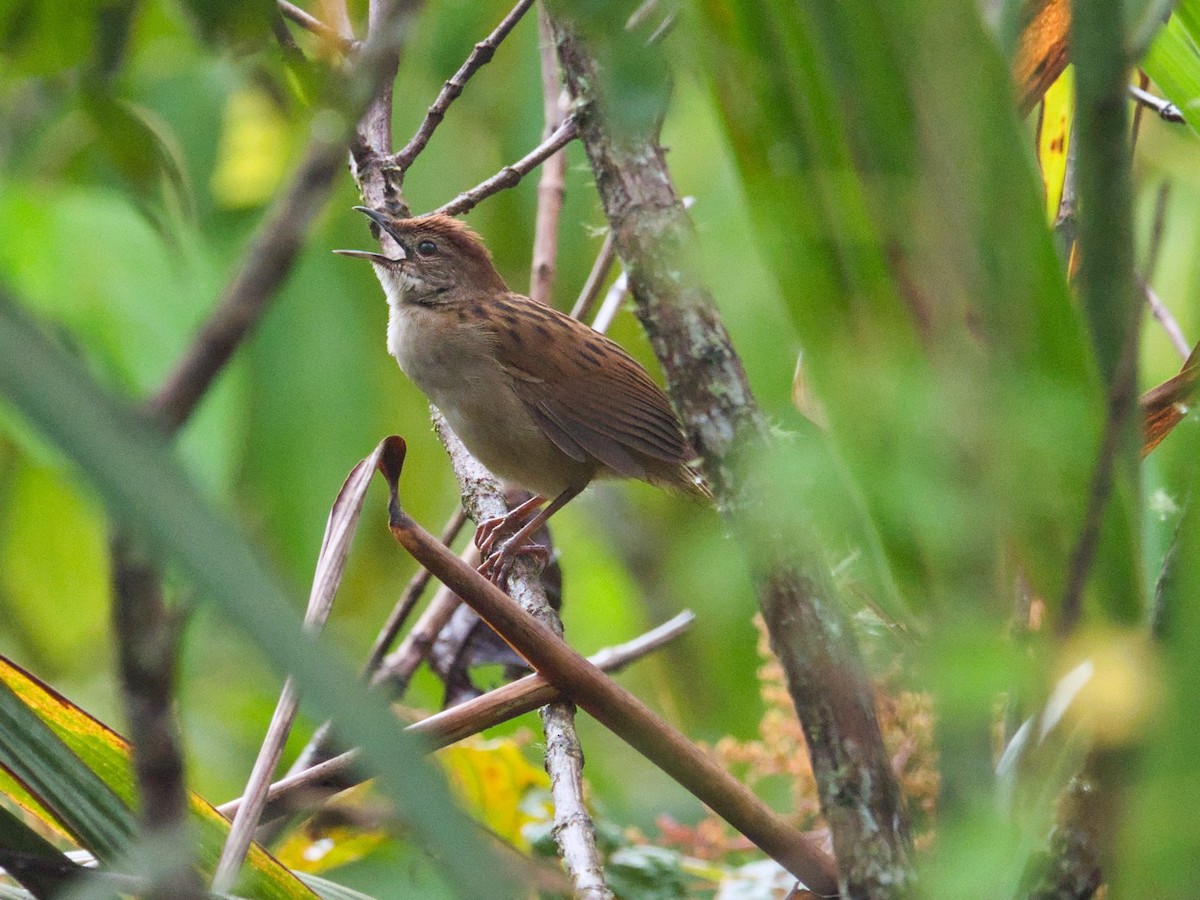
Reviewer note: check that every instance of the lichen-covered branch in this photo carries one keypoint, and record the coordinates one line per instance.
(809, 629)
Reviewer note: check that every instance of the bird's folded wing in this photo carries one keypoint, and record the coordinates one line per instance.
(592, 399)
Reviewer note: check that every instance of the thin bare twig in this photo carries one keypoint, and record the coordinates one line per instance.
(1157, 308)
(293, 56)
(1167, 111)
(480, 56)
(551, 186)
(618, 291)
(473, 716)
(1158, 229)
(511, 175)
(337, 15)
(1163, 315)
(573, 830)
(807, 624)
(312, 24)
(327, 577)
(596, 278)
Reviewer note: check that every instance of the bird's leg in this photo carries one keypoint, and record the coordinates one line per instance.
(496, 565)
(490, 529)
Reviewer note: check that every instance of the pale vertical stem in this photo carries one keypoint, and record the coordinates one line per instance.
(551, 186)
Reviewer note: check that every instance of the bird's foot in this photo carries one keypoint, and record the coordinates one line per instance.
(490, 530)
(497, 565)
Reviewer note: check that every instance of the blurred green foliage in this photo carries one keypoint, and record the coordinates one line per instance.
(140, 142)
(315, 389)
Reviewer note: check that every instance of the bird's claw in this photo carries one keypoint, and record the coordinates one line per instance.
(488, 532)
(497, 566)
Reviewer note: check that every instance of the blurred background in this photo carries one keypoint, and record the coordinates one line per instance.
(121, 220)
(151, 244)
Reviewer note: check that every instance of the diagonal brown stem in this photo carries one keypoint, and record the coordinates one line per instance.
(608, 702)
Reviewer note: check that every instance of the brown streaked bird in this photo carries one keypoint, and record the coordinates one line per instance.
(541, 399)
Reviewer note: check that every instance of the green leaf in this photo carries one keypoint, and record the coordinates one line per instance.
(144, 153)
(146, 491)
(1173, 63)
(97, 751)
(78, 797)
(19, 843)
(646, 873)
(1188, 14)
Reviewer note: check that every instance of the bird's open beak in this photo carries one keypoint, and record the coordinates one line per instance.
(368, 255)
(380, 219)
(383, 222)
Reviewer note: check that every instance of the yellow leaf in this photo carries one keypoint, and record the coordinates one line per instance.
(346, 830)
(493, 779)
(253, 151)
(1111, 685)
(106, 753)
(54, 579)
(1054, 138)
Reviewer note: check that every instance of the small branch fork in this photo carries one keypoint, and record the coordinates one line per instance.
(480, 56)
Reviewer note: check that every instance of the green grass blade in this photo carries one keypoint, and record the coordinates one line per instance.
(146, 490)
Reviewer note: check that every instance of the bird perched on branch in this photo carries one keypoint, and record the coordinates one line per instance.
(541, 399)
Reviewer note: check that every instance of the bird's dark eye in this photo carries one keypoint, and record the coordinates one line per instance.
(427, 248)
